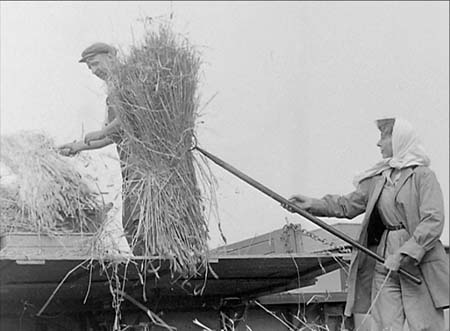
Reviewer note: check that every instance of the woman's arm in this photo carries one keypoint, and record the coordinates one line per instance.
(341, 206)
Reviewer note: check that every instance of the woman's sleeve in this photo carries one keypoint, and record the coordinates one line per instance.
(431, 214)
(342, 206)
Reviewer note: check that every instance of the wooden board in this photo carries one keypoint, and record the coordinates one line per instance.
(33, 282)
(32, 267)
(30, 246)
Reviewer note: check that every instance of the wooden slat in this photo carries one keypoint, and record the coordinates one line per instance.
(30, 246)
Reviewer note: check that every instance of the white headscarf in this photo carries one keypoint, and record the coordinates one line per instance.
(407, 151)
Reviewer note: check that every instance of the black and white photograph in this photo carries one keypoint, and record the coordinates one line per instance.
(224, 165)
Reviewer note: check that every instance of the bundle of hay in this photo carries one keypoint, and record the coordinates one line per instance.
(154, 93)
(40, 191)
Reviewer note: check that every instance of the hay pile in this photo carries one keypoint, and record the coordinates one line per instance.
(40, 191)
(154, 92)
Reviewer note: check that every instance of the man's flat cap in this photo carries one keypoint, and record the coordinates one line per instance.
(97, 48)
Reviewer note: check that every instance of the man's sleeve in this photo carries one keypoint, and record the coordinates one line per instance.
(115, 133)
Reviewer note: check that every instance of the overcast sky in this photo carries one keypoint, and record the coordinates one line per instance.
(299, 85)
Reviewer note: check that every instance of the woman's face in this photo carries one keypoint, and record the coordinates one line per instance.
(385, 144)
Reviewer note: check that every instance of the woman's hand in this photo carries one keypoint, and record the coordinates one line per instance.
(301, 201)
(93, 136)
(395, 261)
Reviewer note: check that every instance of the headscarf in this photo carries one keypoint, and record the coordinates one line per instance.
(407, 151)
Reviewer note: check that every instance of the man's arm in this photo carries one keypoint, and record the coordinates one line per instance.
(79, 146)
(112, 128)
(96, 144)
(108, 130)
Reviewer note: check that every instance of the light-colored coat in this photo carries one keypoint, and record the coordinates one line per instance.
(419, 198)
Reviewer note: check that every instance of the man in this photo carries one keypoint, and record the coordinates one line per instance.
(101, 59)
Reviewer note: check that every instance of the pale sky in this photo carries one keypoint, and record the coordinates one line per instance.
(299, 85)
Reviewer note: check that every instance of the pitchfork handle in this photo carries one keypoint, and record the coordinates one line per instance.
(299, 211)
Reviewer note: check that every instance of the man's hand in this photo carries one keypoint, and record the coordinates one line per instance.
(93, 136)
(395, 261)
(71, 149)
(301, 201)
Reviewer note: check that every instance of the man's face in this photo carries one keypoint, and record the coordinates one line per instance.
(100, 65)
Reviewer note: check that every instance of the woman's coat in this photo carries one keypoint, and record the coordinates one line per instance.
(419, 198)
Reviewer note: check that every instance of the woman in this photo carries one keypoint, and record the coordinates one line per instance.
(404, 218)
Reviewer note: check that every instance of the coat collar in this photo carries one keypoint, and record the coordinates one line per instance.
(379, 182)
(378, 187)
(403, 177)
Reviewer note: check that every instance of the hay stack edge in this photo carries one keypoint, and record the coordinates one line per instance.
(41, 192)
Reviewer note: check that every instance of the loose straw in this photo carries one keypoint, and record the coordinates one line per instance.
(58, 287)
